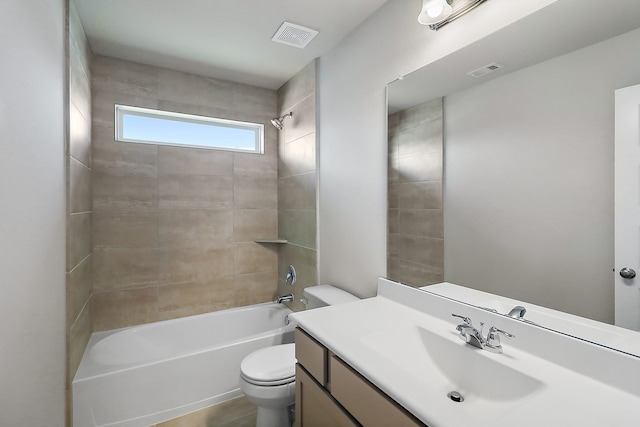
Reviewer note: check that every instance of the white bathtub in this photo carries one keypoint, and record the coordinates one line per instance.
(143, 375)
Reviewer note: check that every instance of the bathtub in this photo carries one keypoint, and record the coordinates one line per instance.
(143, 375)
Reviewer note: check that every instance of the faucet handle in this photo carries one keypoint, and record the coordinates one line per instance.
(290, 278)
(493, 339)
(500, 331)
(465, 319)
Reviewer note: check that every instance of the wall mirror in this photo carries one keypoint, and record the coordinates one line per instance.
(527, 164)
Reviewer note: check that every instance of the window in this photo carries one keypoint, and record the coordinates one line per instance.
(147, 126)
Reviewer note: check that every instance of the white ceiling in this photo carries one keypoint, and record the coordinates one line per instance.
(228, 39)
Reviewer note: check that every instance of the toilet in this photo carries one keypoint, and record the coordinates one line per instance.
(267, 376)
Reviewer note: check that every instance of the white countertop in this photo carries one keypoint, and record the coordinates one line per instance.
(566, 397)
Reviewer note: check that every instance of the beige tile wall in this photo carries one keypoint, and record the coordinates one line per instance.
(79, 200)
(297, 181)
(415, 240)
(165, 232)
(173, 227)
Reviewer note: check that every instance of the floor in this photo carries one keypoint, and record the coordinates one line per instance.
(238, 412)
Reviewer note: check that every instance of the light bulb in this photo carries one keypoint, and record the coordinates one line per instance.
(434, 9)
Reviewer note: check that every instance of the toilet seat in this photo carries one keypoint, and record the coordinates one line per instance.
(270, 366)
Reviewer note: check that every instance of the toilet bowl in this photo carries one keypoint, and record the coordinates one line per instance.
(268, 375)
(268, 380)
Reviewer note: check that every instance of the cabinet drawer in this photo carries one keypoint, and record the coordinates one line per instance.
(370, 406)
(312, 355)
(315, 407)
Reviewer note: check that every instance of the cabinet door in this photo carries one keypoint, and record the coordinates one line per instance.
(365, 401)
(315, 407)
(312, 355)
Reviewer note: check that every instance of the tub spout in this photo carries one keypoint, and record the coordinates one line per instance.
(285, 298)
(517, 312)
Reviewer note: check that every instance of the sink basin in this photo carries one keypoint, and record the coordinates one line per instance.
(445, 364)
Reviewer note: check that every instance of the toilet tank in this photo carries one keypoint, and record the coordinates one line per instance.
(324, 295)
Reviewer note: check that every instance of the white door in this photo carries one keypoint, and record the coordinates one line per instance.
(627, 207)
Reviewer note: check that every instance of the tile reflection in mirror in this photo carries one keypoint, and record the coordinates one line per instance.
(415, 252)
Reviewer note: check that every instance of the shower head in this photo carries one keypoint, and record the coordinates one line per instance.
(278, 122)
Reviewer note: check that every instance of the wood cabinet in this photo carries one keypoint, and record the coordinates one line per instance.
(329, 393)
(315, 407)
(312, 356)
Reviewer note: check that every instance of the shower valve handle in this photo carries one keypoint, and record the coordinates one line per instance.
(290, 278)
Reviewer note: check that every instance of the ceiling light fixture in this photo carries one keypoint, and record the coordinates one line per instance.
(438, 13)
(434, 11)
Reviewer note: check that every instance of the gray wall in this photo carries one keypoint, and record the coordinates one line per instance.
(529, 180)
(32, 218)
(352, 220)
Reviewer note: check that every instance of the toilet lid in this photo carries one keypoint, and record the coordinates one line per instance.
(270, 365)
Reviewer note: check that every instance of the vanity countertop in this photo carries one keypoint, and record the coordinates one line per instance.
(384, 339)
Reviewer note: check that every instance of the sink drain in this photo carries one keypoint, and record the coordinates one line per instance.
(455, 396)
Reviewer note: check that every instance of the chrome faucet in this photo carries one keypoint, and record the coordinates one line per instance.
(517, 312)
(475, 337)
(285, 298)
(468, 333)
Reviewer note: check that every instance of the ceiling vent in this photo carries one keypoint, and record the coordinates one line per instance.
(485, 70)
(294, 35)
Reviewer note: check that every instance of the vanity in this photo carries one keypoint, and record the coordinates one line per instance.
(397, 360)
(330, 392)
